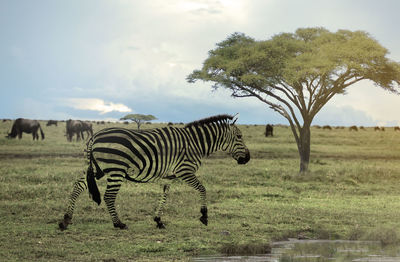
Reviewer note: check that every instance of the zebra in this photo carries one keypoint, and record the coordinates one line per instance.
(143, 156)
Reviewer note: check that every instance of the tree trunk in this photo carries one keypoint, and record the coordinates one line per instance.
(304, 147)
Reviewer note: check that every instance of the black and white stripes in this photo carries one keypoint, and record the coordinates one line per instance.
(150, 155)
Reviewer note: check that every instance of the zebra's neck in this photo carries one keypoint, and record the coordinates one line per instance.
(208, 138)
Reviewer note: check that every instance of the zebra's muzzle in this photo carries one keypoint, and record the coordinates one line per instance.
(245, 159)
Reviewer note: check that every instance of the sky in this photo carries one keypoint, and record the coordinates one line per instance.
(103, 59)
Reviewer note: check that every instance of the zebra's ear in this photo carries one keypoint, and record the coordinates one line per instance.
(235, 118)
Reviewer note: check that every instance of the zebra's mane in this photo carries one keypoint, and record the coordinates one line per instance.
(207, 120)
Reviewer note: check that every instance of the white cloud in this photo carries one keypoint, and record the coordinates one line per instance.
(96, 104)
(379, 105)
(136, 59)
(145, 49)
(151, 65)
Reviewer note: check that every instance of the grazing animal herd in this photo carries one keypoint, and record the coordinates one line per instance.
(141, 156)
(78, 127)
(355, 128)
(73, 127)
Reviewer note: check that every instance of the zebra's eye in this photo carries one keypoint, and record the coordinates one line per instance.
(239, 136)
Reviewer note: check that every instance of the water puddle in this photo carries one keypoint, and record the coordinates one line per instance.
(318, 250)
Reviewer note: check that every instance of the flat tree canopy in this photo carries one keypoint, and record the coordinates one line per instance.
(296, 74)
(138, 118)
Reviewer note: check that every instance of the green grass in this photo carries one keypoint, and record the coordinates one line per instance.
(351, 192)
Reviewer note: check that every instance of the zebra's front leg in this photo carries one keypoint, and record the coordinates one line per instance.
(113, 186)
(79, 187)
(192, 181)
(160, 207)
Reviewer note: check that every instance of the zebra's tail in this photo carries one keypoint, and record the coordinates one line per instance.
(41, 132)
(90, 176)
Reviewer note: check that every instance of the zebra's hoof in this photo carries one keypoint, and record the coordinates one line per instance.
(204, 220)
(62, 226)
(160, 224)
(121, 226)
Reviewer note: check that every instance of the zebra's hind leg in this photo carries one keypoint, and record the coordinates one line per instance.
(113, 185)
(160, 207)
(192, 181)
(79, 187)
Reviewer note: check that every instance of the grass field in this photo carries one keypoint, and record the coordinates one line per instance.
(351, 192)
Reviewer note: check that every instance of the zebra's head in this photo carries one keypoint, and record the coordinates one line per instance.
(235, 145)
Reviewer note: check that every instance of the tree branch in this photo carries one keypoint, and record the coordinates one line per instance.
(276, 107)
(287, 105)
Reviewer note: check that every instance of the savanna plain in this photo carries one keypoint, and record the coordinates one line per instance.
(351, 191)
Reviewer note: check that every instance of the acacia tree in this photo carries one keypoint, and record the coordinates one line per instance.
(296, 74)
(138, 118)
